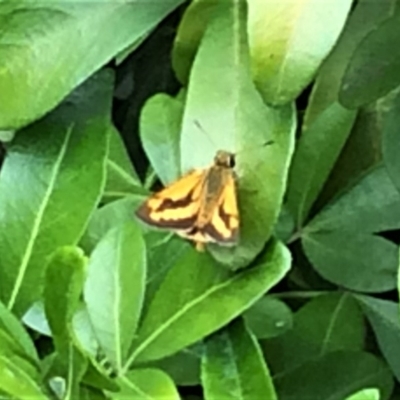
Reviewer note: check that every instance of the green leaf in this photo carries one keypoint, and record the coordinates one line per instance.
(65, 277)
(325, 324)
(300, 35)
(357, 261)
(340, 243)
(384, 317)
(122, 178)
(224, 111)
(390, 143)
(114, 290)
(15, 382)
(269, 317)
(149, 384)
(206, 301)
(365, 394)
(233, 366)
(373, 69)
(335, 376)
(53, 175)
(37, 34)
(89, 393)
(160, 123)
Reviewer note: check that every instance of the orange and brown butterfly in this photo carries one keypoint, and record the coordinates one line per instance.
(201, 206)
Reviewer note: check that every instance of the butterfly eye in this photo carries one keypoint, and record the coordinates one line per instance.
(231, 162)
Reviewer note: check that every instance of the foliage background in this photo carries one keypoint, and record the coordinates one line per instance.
(98, 101)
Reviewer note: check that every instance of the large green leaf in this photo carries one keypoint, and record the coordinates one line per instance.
(114, 290)
(325, 324)
(53, 175)
(65, 276)
(300, 34)
(233, 366)
(225, 112)
(205, 301)
(384, 316)
(335, 376)
(49, 48)
(340, 240)
(373, 69)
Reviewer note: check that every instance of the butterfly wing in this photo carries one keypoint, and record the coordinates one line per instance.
(175, 207)
(222, 225)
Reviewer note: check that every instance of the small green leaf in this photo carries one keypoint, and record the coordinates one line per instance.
(53, 174)
(334, 377)
(269, 317)
(224, 111)
(384, 317)
(65, 277)
(69, 32)
(300, 35)
(233, 366)
(15, 382)
(114, 290)
(122, 178)
(373, 69)
(206, 301)
(149, 384)
(160, 123)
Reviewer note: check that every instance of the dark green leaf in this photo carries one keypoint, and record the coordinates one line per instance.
(114, 290)
(373, 69)
(384, 316)
(233, 366)
(53, 175)
(326, 324)
(269, 317)
(335, 376)
(205, 301)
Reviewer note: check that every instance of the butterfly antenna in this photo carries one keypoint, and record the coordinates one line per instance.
(198, 125)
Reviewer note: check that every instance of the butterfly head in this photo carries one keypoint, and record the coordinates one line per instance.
(224, 159)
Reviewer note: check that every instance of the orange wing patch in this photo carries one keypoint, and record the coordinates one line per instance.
(201, 206)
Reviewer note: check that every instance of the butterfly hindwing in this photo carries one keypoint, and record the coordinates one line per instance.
(175, 207)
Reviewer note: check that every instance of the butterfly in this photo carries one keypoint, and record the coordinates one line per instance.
(200, 206)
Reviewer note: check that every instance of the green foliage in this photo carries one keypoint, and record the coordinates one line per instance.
(103, 101)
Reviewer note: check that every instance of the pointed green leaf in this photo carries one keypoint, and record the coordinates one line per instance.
(206, 301)
(224, 111)
(114, 290)
(53, 175)
(233, 366)
(35, 35)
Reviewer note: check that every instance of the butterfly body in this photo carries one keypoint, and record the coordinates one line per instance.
(201, 206)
